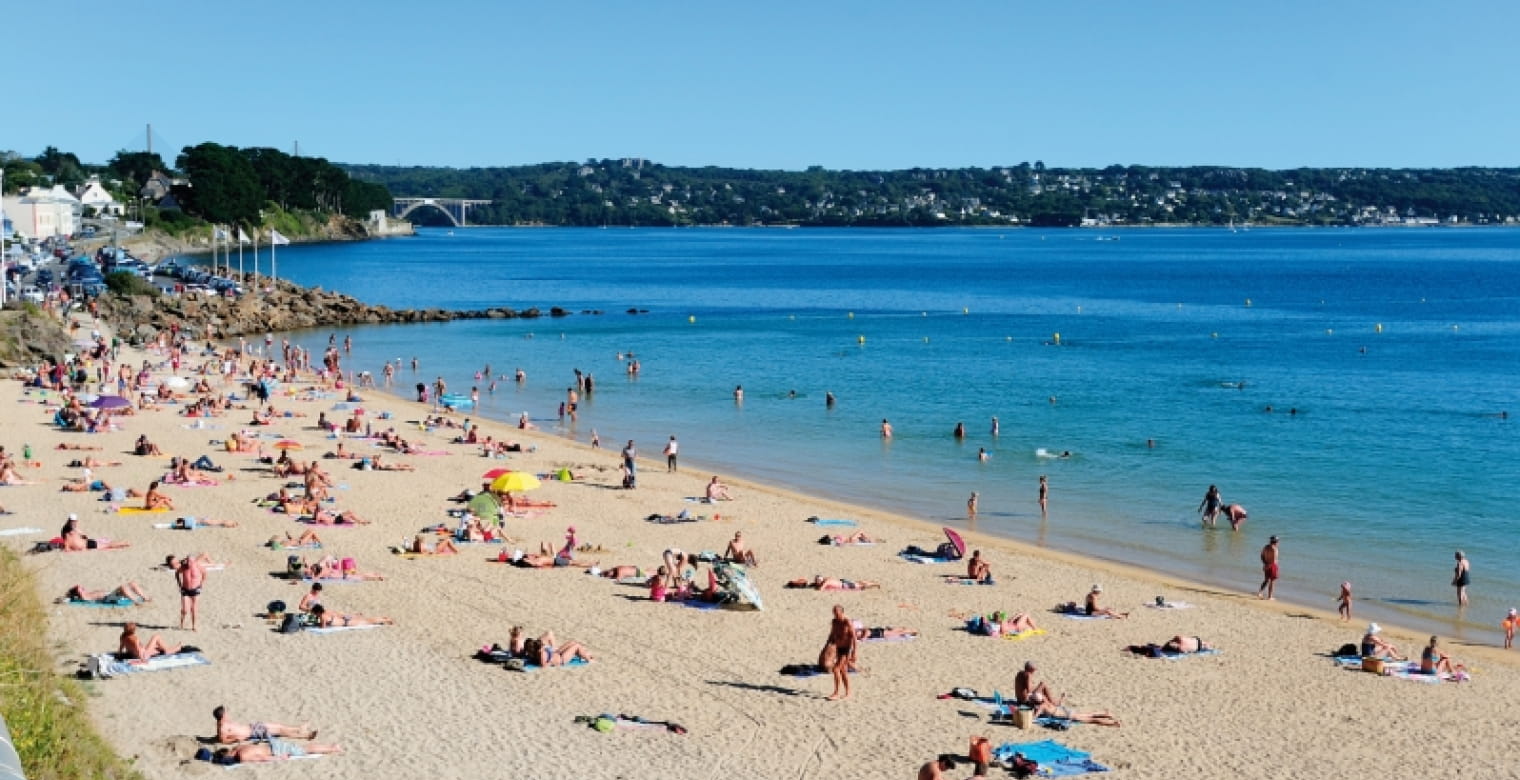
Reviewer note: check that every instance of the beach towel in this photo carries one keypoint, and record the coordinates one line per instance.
(572, 662)
(307, 546)
(804, 670)
(1025, 634)
(1410, 670)
(925, 558)
(968, 581)
(428, 453)
(903, 638)
(839, 521)
(120, 602)
(1170, 605)
(698, 604)
(1157, 651)
(1055, 759)
(111, 667)
(336, 629)
(195, 483)
(137, 510)
(19, 531)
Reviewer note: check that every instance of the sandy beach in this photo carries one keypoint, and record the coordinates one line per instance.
(409, 701)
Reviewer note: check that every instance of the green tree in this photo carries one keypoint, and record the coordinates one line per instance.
(135, 167)
(223, 185)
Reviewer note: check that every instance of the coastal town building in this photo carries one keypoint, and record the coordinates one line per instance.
(93, 195)
(43, 212)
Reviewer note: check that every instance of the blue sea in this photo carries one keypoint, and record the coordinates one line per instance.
(1346, 386)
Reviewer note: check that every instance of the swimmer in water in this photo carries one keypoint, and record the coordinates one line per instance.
(981, 454)
(886, 429)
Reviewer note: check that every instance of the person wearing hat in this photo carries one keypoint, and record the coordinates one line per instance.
(1509, 624)
(1269, 570)
(1374, 646)
(1096, 610)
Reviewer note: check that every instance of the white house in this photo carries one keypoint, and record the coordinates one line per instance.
(94, 196)
(43, 213)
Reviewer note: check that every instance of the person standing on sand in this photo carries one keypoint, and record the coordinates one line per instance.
(1269, 571)
(1461, 576)
(1509, 624)
(971, 506)
(191, 578)
(839, 654)
(671, 449)
(630, 465)
(1044, 495)
(1345, 600)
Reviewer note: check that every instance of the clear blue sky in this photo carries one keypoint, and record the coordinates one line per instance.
(776, 84)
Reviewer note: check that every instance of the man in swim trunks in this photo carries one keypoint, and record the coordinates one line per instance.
(935, 770)
(738, 552)
(1186, 644)
(129, 590)
(1269, 571)
(191, 577)
(839, 653)
(130, 648)
(1237, 515)
(229, 731)
(274, 750)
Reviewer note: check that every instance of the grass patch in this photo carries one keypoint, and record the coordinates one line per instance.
(44, 709)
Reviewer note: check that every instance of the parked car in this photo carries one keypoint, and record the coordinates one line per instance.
(31, 293)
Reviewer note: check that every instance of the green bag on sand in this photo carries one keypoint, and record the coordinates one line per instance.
(604, 724)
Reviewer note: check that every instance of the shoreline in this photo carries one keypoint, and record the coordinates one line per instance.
(1470, 633)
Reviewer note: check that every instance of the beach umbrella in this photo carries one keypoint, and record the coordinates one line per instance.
(485, 506)
(514, 482)
(494, 473)
(287, 444)
(110, 402)
(955, 539)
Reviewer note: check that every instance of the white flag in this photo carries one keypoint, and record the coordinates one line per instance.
(242, 237)
(277, 239)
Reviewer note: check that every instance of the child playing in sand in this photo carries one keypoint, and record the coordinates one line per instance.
(1345, 600)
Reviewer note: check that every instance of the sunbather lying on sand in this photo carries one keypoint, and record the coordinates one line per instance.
(192, 523)
(859, 537)
(330, 568)
(1095, 717)
(882, 632)
(623, 572)
(327, 619)
(230, 732)
(307, 538)
(275, 749)
(74, 541)
(546, 559)
(80, 447)
(1001, 624)
(821, 582)
(346, 517)
(133, 649)
(204, 560)
(545, 650)
(1186, 644)
(127, 590)
(92, 463)
(376, 464)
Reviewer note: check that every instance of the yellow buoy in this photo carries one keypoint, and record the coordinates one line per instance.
(1056, 337)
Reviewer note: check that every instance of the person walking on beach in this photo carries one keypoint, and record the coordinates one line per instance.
(630, 466)
(190, 578)
(1044, 495)
(1345, 600)
(1210, 506)
(1461, 576)
(839, 654)
(1269, 571)
(1509, 624)
(671, 449)
(971, 506)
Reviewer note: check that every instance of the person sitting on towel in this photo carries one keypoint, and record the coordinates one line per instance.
(1093, 609)
(133, 649)
(738, 552)
(977, 568)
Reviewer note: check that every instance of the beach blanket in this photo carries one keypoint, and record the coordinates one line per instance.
(428, 453)
(1025, 634)
(839, 521)
(336, 629)
(307, 546)
(137, 510)
(925, 558)
(804, 670)
(111, 667)
(699, 604)
(120, 602)
(1410, 670)
(574, 662)
(1055, 759)
(194, 483)
(968, 581)
(1071, 611)
(903, 638)
(1170, 605)
(1157, 651)
(19, 531)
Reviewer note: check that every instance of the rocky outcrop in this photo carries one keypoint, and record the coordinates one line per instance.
(286, 306)
(26, 337)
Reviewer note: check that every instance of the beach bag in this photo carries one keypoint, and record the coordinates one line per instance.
(515, 665)
(291, 624)
(825, 539)
(1348, 649)
(981, 753)
(293, 565)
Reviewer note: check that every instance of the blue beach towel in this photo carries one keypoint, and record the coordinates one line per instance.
(336, 629)
(572, 662)
(1055, 759)
(839, 521)
(925, 558)
(121, 602)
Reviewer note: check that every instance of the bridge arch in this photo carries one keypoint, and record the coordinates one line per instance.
(426, 203)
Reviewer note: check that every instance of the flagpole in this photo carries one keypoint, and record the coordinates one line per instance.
(255, 259)
(240, 254)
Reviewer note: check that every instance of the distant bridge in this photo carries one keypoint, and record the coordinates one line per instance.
(456, 209)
